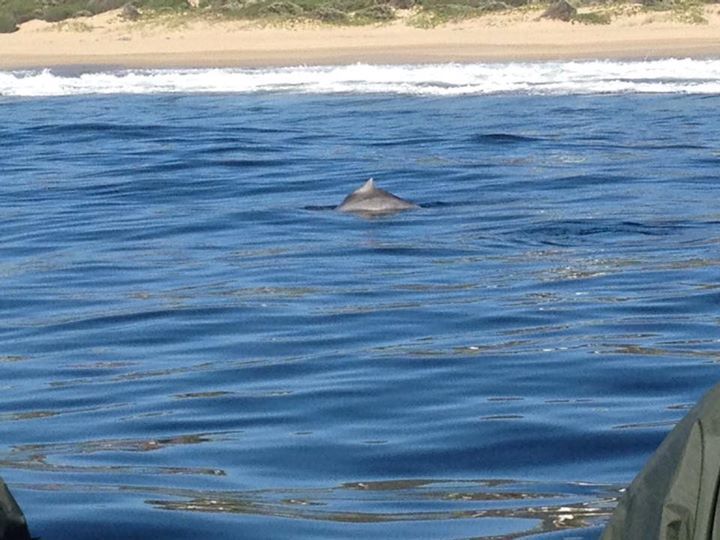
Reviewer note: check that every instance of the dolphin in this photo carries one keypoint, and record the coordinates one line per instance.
(369, 199)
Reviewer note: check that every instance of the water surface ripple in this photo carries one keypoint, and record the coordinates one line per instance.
(194, 344)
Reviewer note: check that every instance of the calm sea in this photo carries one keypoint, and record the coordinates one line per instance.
(194, 344)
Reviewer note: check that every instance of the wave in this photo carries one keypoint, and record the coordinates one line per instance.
(687, 76)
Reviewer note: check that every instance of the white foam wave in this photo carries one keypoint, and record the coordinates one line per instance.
(592, 77)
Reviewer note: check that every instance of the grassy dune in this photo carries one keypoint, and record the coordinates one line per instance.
(425, 13)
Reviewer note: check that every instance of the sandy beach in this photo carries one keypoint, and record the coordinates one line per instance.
(106, 40)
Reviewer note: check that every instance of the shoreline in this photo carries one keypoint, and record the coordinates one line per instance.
(106, 41)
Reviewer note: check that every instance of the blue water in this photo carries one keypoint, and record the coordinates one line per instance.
(195, 345)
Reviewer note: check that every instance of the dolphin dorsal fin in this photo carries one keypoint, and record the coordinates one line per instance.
(368, 186)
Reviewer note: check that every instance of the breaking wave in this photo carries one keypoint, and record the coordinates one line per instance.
(687, 76)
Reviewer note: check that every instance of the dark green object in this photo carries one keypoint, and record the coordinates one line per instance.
(675, 497)
(12, 522)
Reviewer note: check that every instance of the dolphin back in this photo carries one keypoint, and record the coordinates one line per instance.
(373, 200)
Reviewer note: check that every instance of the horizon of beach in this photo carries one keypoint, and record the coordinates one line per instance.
(107, 40)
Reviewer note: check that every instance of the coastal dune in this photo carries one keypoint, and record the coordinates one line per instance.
(107, 40)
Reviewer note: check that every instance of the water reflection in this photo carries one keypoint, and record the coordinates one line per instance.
(528, 508)
(53, 458)
(121, 445)
(552, 508)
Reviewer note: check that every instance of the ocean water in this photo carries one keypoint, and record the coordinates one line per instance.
(196, 345)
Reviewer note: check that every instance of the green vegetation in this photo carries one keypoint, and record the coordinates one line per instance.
(689, 11)
(60, 10)
(326, 11)
(425, 13)
(435, 12)
(593, 17)
(8, 23)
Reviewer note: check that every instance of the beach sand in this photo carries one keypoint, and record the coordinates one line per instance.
(106, 40)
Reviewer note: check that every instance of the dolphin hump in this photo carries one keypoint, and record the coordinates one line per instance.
(369, 199)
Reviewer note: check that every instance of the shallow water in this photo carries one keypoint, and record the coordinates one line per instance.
(196, 345)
